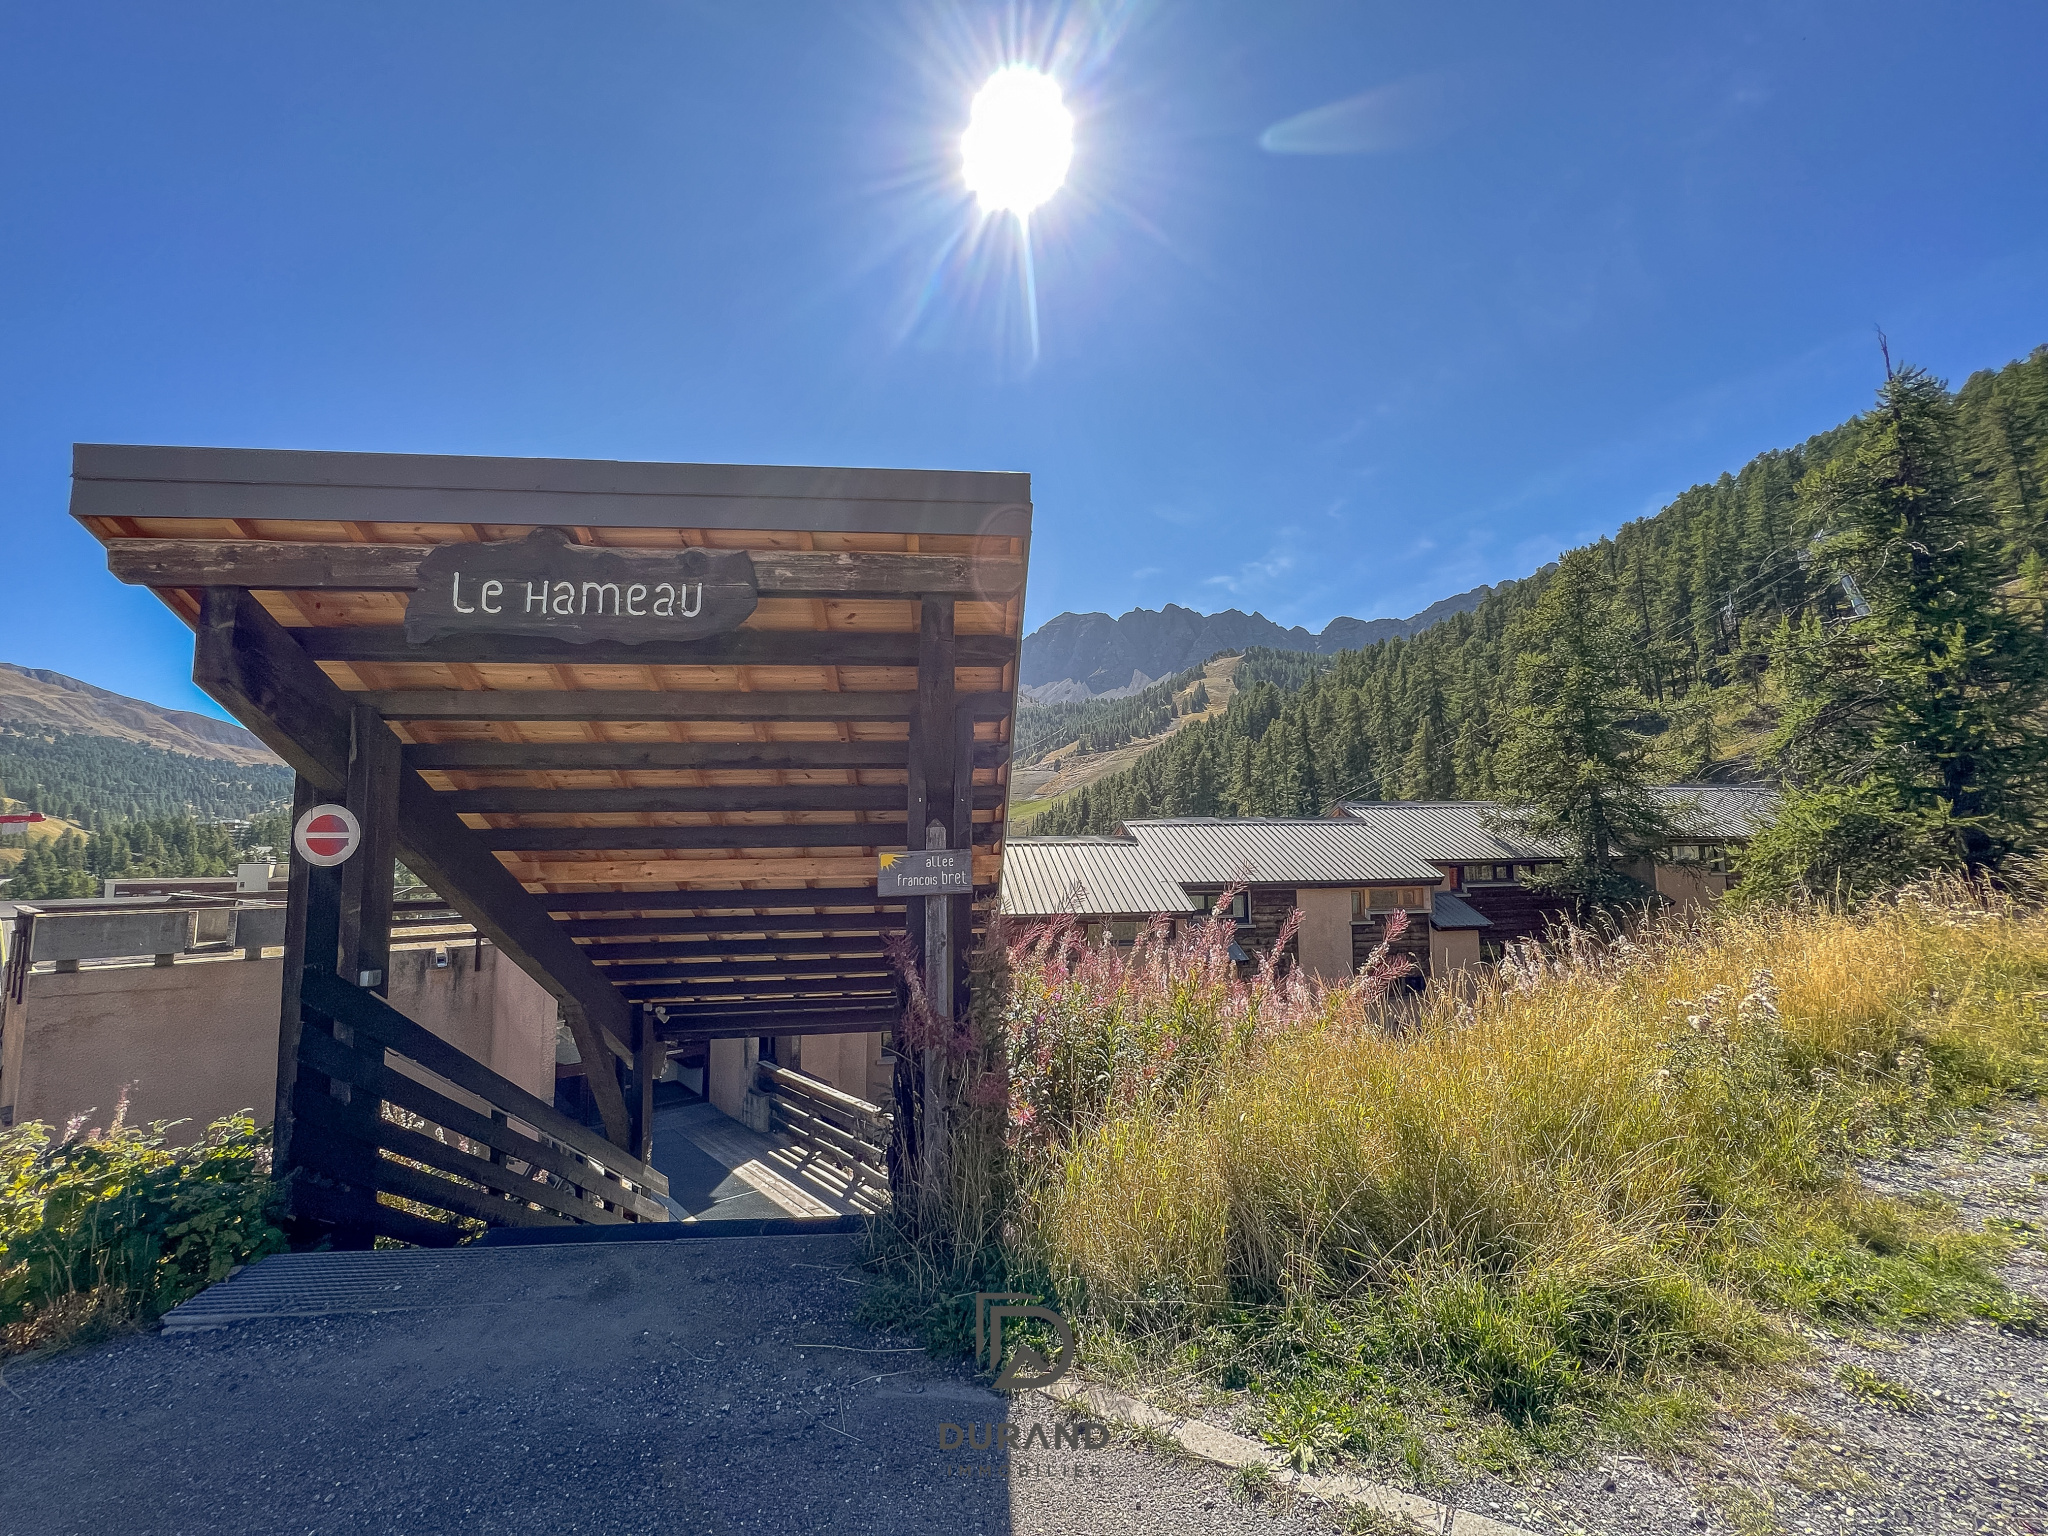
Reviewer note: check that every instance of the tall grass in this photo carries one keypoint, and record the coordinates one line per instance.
(1602, 1176)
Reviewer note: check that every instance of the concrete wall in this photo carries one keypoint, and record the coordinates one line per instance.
(485, 1004)
(198, 1040)
(1453, 950)
(731, 1074)
(1322, 945)
(188, 1042)
(1689, 886)
(850, 1063)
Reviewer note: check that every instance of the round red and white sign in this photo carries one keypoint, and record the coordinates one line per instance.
(327, 834)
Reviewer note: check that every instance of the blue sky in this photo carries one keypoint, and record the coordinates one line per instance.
(1546, 267)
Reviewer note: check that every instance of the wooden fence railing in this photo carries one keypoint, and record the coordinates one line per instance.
(519, 1162)
(830, 1125)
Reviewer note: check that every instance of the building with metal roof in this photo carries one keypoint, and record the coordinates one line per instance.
(1215, 850)
(1089, 877)
(1728, 813)
(1453, 831)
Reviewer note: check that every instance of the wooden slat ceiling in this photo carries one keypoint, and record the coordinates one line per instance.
(678, 845)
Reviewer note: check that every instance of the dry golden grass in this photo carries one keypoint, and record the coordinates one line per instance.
(1602, 1176)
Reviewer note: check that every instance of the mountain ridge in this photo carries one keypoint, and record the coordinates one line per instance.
(37, 697)
(1101, 654)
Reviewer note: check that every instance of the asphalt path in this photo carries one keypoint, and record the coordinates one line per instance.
(710, 1385)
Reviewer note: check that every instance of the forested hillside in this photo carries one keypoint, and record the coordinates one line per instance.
(75, 864)
(1704, 584)
(1101, 724)
(138, 810)
(92, 778)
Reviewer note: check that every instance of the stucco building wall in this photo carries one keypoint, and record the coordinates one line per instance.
(1322, 944)
(198, 1040)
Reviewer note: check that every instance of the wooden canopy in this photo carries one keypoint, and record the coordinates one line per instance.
(690, 825)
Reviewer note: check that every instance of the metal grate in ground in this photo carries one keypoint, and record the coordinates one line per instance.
(390, 1280)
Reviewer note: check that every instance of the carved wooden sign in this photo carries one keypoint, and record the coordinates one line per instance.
(548, 585)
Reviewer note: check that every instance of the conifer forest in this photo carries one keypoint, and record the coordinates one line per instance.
(1724, 595)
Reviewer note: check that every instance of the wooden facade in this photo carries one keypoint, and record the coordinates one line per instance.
(677, 837)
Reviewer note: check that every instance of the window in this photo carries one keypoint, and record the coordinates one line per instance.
(1707, 858)
(1490, 874)
(1396, 898)
(1124, 933)
(1240, 905)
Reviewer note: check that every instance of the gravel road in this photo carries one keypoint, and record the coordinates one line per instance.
(719, 1385)
(710, 1386)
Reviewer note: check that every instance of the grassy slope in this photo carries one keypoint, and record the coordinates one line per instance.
(38, 831)
(1071, 769)
(1582, 1200)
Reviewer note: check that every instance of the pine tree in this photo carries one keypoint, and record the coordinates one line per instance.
(1925, 711)
(1572, 762)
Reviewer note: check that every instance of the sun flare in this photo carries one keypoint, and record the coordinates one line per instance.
(1019, 141)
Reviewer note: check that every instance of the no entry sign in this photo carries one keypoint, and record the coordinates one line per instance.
(327, 834)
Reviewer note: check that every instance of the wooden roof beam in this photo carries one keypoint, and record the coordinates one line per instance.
(740, 647)
(785, 1022)
(863, 946)
(742, 974)
(288, 567)
(735, 797)
(247, 662)
(602, 704)
(657, 756)
(676, 927)
(800, 897)
(855, 834)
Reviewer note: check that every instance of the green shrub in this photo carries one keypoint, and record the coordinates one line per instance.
(109, 1227)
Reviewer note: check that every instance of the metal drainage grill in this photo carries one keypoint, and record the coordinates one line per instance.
(335, 1284)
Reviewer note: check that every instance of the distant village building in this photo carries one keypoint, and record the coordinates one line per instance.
(1468, 839)
(1465, 880)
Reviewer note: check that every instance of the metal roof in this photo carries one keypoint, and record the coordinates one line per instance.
(1448, 911)
(1445, 831)
(1730, 811)
(1212, 851)
(1088, 876)
(1463, 831)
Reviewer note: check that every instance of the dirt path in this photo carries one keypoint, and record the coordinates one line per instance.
(1923, 1434)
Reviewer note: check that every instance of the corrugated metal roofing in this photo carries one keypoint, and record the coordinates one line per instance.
(1462, 831)
(1448, 831)
(1206, 850)
(1088, 876)
(1448, 911)
(1732, 811)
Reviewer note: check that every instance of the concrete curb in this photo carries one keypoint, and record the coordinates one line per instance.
(1227, 1450)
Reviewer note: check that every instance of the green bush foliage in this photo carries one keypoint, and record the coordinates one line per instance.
(111, 1226)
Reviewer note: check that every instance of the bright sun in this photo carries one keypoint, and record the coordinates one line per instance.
(1019, 141)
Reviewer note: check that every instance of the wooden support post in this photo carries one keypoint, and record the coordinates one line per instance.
(649, 1055)
(247, 661)
(347, 1150)
(917, 1155)
(373, 773)
(963, 837)
(305, 795)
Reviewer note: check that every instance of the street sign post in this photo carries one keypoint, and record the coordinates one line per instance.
(939, 872)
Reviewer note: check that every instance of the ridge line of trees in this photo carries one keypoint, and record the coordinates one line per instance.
(1708, 598)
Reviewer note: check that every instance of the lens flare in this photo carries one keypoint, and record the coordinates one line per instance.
(1019, 141)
